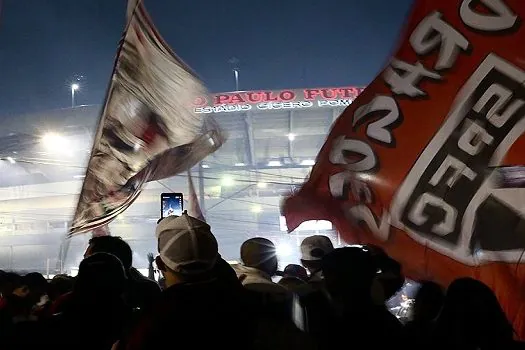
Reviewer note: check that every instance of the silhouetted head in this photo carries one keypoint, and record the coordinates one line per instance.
(472, 316)
(260, 253)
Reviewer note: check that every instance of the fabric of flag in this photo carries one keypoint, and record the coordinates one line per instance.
(419, 163)
(194, 208)
(148, 129)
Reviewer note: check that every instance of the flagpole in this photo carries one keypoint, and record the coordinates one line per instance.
(64, 250)
(201, 190)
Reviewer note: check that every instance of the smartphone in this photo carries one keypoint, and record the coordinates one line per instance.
(170, 204)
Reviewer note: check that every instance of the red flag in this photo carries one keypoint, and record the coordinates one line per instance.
(409, 165)
(194, 208)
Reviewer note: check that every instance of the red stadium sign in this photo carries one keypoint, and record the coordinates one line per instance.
(243, 101)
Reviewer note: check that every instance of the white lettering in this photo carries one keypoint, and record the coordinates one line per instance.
(284, 105)
(474, 139)
(417, 216)
(339, 182)
(449, 40)
(379, 229)
(503, 19)
(378, 129)
(503, 96)
(334, 103)
(356, 147)
(460, 169)
(406, 84)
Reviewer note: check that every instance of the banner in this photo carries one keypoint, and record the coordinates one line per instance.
(148, 129)
(410, 165)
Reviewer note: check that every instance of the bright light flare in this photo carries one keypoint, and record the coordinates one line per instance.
(75, 87)
(11, 160)
(256, 209)
(283, 250)
(55, 142)
(291, 137)
(227, 181)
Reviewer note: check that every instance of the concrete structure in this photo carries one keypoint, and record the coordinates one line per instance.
(274, 137)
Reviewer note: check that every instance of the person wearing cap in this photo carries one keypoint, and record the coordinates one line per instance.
(259, 265)
(203, 297)
(313, 249)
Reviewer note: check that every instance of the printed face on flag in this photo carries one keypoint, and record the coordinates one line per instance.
(148, 129)
(410, 165)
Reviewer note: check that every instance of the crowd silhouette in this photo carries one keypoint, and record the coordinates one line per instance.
(335, 298)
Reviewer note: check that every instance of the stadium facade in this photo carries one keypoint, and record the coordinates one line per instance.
(273, 138)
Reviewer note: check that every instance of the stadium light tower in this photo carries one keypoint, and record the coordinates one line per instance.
(74, 87)
(234, 61)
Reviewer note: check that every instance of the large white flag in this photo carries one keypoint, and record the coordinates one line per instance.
(147, 130)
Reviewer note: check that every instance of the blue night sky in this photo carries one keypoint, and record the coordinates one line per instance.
(45, 44)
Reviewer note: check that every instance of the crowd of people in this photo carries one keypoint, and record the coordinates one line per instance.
(335, 298)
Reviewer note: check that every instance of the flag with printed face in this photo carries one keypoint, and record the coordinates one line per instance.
(148, 129)
(427, 161)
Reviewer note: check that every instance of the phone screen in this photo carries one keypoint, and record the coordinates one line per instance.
(171, 204)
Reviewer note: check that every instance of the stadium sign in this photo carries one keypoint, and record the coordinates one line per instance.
(266, 100)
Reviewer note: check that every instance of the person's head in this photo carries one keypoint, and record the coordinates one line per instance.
(260, 253)
(296, 271)
(101, 276)
(313, 249)
(291, 282)
(390, 277)
(13, 283)
(188, 250)
(112, 245)
(472, 315)
(428, 301)
(37, 285)
(349, 273)
(60, 285)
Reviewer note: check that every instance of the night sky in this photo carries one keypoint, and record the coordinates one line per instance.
(46, 44)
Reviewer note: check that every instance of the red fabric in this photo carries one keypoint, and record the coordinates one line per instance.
(58, 305)
(433, 150)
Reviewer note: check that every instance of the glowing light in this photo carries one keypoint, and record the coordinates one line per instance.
(262, 185)
(55, 142)
(11, 160)
(308, 162)
(205, 166)
(256, 209)
(283, 250)
(274, 163)
(75, 87)
(291, 137)
(227, 181)
(240, 164)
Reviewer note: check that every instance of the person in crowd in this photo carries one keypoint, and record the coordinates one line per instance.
(203, 299)
(427, 304)
(472, 318)
(141, 292)
(60, 285)
(293, 276)
(96, 304)
(349, 274)
(259, 265)
(16, 305)
(313, 249)
(390, 279)
(38, 296)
